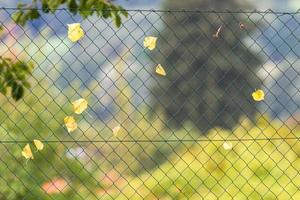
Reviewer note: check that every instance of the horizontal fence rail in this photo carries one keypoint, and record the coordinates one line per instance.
(173, 104)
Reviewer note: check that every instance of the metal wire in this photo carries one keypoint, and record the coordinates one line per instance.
(194, 134)
(163, 141)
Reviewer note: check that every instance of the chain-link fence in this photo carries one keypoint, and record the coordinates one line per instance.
(195, 133)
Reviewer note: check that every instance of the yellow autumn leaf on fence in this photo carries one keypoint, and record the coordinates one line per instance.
(27, 153)
(116, 130)
(258, 95)
(70, 123)
(150, 42)
(75, 32)
(38, 144)
(80, 105)
(227, 145)
(160, 70)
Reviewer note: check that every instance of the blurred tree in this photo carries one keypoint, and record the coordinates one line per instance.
(11, 74)
(209, 79)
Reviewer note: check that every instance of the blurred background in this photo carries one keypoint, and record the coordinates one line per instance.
(173, 128)
(277, 42)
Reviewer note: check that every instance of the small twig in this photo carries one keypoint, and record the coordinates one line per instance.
(216, 35)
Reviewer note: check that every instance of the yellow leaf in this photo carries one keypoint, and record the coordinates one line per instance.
(258, 95)
(27, 153)
(150, 42)
(75, 32)
(70, 123)
(80, 105)
(160, 70)
(116, 130)
(38, 144)
(227, 145)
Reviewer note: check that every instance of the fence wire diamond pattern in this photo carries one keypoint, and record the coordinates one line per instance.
(195, 133)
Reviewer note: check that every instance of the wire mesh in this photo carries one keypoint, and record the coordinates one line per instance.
(194, 134)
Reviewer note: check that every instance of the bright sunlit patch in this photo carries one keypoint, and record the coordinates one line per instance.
(27, 153)
(227, 145)
(38, 145)
(80, 105)
(116, 130)
(258, 95)
(150, 42)
(70, 123)
(75, 32)
(160, 70)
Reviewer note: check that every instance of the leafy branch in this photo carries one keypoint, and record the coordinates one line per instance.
(13, 75)
(85, 8)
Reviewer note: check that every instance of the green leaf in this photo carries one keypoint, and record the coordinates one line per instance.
(14, 75)
(17, 16)
(106, 11)
(87, 7)
(118, 20)
(73, 7)
(34, 14)
(2, 85)
(45, 7)
(17, 91)
(9, 78)
(123, 11)
(90, 3)
(26, 84)
(3, 89)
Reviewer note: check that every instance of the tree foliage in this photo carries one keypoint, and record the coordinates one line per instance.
(24, 180)
(85, 8)
(209, 80)
(15, 74)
